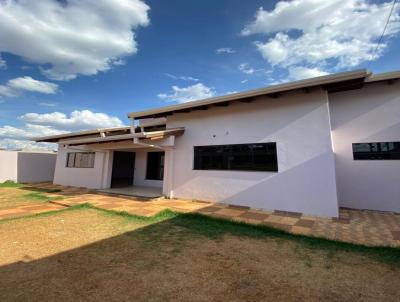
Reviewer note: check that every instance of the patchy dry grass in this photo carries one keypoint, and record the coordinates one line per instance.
(13, 195)
(10, 184)
(96, 255)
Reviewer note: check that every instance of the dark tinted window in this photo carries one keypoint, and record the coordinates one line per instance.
(155, 166)
(381, 151)
(242, 157)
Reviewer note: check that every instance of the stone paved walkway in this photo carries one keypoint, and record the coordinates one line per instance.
(29, 210)
(363, 227)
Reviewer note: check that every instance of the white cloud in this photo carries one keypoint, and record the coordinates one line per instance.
(72, 37)
(14, 87)
(244, 81)
(225, 50)
(37, 125)
(3, 64)
(47, 104)
(6, 91)
(230, 92)
(28, 131)
(14, 144)
(27, 83)
(183, 78)
(339, 32)
(187, 94)
(245, 68)
(77, 120)
(301, 72)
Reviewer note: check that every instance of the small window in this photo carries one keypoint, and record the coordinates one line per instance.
(240, 157)
(80, 159)
(376, 151)
(155, 166)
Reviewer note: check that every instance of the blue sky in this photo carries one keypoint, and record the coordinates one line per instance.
(72, 65)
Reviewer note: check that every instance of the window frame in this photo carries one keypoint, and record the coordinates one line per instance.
(160, 169)
(75, 162)
(275, 164)
(379, 154)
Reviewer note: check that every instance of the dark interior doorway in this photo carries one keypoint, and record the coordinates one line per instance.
(123, 169)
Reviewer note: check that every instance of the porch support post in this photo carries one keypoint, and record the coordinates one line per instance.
(107, 169)
(168, 186)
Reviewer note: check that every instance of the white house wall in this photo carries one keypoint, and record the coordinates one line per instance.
(99, 177)
(140, 170)
(8, 165)
(297, 122)
(80, 177)
(36, 166)
(371, 114)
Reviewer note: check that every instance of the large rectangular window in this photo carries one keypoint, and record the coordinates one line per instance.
(80, 159)
(376, 151)
(240, 157)
(155, 166)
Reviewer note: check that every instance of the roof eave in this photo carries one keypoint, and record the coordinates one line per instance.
(55, 138)
(130, 136)
(317, 81)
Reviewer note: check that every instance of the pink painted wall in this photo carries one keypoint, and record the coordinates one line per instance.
(297, 122)
(25, 166)
(370, 114)
(8, 165)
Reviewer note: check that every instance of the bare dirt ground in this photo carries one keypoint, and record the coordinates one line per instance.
(90, 255)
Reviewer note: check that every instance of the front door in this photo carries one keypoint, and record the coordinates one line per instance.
(123, 169)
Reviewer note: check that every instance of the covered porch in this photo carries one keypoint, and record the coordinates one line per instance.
(131, 161)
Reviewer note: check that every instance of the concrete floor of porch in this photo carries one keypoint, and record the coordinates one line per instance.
(135, 191)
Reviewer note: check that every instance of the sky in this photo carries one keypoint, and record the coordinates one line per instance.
(70, 65)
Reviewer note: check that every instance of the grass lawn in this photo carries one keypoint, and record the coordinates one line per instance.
(86, 254)
(13, 195)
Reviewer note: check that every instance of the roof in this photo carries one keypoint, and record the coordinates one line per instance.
(55, 138)
(383, 76)
(28, 151)
(153, 135)
(332, 83)
(274, 89)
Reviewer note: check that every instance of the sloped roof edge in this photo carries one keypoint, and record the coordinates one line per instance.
(317, 81)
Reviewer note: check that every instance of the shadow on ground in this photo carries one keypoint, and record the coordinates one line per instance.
(194, 258)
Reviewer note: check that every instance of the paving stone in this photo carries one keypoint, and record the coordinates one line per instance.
(238, 207)
(230, 212)
(209, 209)
(396, 235)
(300, 230)
(289, 220)
(288, 214)
(341, 220)
(274, 219)
(254, 216)
(305, 223)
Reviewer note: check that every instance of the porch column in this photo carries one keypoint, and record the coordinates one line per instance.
(107, 169)
(168, 184)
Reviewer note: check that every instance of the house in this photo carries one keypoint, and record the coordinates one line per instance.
(308, 146)
(27, 166)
